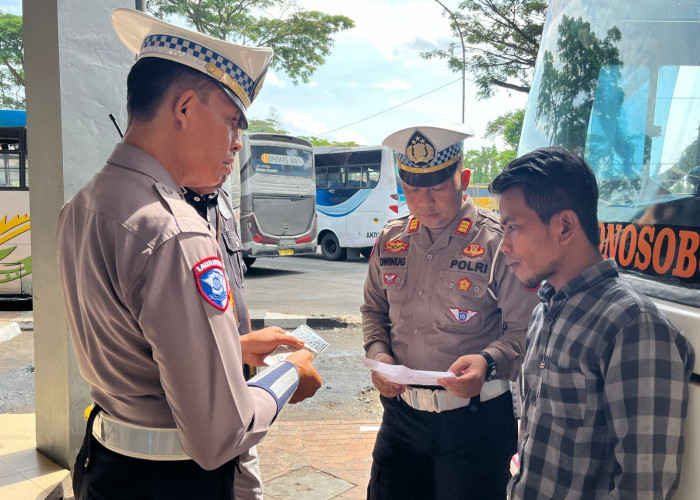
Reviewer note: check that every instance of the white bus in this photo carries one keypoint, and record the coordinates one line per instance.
(358, 191)
(277, 196)
(620, 82)
(15, 241)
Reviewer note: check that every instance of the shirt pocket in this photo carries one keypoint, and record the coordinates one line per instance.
(393, 281)
(234, 252)
(563, 394)
(460, 297)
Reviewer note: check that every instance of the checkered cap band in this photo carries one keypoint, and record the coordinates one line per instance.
(440, 158)
(173, 45)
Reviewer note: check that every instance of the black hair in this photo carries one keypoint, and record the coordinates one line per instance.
(552, 180)
(151, 79)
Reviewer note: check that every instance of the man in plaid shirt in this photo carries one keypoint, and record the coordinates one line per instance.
(605, 376)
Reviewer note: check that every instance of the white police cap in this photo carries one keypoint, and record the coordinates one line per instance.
(239, 69)
(428, 154)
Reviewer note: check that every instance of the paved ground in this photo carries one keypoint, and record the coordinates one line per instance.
(313, 458)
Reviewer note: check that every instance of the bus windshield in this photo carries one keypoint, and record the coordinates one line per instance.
(620, 83)
(275, 160)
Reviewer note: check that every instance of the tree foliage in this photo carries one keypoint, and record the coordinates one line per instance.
(11, 62)
(486, 163)
(509, 126)
(501, 39)
(570, 80)
(317, 141)
(301, 39)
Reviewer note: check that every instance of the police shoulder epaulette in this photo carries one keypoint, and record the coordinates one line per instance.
(185, 216)
(397, 222)
(490, 219)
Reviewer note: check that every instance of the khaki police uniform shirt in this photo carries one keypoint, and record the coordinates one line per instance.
(155, 352)
(428, 302)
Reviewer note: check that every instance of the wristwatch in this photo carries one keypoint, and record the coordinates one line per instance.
(491, 368)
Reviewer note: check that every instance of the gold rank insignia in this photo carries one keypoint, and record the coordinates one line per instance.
(394, 246)
(413, 225)
(473, 250)
(464, 284)
(464, 225)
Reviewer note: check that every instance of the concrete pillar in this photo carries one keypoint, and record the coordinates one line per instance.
(75, 69)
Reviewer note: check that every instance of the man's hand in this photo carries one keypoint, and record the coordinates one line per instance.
(255, 346)
(386, 388)
(470, 371)
(309, 379)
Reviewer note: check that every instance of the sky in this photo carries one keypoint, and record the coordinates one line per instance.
(374, 82)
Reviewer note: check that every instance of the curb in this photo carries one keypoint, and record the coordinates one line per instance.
(262, 319)
(258, 320)
(9, 331)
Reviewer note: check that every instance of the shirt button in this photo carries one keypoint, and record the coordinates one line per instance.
(196, 198)
(398, 279)
(415, 331)
(430, 256)
(420, 293)
(451, 285)
(476, 288)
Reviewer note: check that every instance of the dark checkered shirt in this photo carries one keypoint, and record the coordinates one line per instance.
(605, 394)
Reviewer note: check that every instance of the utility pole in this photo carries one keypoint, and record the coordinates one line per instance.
(464, 51)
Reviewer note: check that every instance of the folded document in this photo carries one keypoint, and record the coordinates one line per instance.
(399, 374)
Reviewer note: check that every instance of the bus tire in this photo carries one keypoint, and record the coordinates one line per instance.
(366, 252)
(331, 249)
(249, 261)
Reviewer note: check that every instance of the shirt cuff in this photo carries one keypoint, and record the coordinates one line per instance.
(377, 347)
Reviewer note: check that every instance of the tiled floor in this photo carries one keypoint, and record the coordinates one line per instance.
(24, 472)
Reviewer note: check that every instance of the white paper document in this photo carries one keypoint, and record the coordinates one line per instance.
(312, 342)
(399, 374)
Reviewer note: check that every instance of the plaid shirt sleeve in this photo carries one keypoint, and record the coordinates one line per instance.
(646, 404)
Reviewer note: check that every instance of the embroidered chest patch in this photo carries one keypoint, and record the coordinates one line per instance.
(390, 278)
(211, 282)
(473, 250)
(464, 284)
(461, 315)
(395, 246)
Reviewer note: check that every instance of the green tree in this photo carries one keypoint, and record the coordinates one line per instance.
(570, 80)
(509, 126)
(269, 125)
(11, 62)
(486, 163)
(501, 37)
(301, 39)
(317, 141)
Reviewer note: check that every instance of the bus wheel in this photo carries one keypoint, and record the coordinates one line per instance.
(366, 252)
(330, 248)
(249, 261)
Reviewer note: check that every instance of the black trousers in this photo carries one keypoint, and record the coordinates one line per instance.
(111, 476)
(452, 455)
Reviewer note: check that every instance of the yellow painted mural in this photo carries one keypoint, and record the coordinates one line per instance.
(14, 267)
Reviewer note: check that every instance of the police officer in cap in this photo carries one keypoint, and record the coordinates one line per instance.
(147, 300)
(438, 298)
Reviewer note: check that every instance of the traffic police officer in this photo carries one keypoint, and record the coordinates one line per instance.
(435, 291)
(147, 301)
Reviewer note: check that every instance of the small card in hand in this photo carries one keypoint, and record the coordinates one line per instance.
(312, 342)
